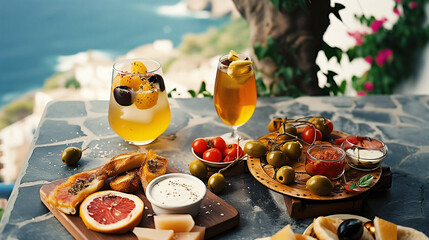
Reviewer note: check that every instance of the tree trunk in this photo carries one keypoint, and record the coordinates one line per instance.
(299, 30)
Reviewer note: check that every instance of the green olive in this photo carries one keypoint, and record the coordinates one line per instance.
(274, 125)
(216, 182)
(71, 155)
(319, 185)
(276, 158)
(292, 149)
(255, 148)
(320, 123)
(288, 131)
(198, 169)
(285, 175)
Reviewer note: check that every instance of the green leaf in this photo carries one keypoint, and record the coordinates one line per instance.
(276, 4)
(193, 93)
(172, 90)
(366, 180)
(336, 10)
(353, 186)
(331, 52)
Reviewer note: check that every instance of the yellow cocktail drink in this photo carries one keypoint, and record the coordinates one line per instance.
(138, 108)
(137, 125)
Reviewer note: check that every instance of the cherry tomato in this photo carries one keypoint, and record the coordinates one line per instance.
(329, 124)
(350, 187)
(218, 143)
(229, 159)
(212, 155)
(231, 150)
(308, 134)
(199, 146)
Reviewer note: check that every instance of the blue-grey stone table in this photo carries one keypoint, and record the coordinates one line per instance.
(401, 121)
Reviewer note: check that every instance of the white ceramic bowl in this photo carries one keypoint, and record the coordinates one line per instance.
(175, 193)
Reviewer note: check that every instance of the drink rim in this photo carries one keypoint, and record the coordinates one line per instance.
(115, 68)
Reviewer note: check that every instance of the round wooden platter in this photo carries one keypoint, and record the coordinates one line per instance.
(265, 174)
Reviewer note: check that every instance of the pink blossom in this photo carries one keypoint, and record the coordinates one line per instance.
(358, 36)
(362, 93)
(413, 4)
(377, 24)
(398, 1)
(383, 56)
(369, 86)
(368, 59)
(397, 12)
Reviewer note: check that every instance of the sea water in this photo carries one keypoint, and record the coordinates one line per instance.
(35, 34)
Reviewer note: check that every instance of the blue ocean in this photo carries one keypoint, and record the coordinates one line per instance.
(35, 33)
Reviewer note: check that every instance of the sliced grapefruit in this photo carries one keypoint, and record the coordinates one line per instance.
(111, 211)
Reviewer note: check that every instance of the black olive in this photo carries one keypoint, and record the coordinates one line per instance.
(350, 229)
(123, 95)
(156, 78)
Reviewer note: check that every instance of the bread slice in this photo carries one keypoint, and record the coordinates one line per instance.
(385, 230)
(325, 228)
(303, 237)
(153, 167)
(407, 233)
(127, 182)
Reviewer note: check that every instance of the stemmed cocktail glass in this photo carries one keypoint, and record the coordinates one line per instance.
(235, 91)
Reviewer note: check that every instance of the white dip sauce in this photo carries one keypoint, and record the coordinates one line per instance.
(364, 154)
(176, 191)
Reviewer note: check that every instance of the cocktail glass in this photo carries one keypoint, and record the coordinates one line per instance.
(235, 92)
(138, 108)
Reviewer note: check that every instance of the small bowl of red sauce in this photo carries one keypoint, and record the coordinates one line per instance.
(326, 160)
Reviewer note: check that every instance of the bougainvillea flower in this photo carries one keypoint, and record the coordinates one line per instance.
(383, 56)
(369, 86)
(362, 93)
(413, 4)
(397, 12)
(377, 24)
(398, 1)
(368, 59)
(358, 36)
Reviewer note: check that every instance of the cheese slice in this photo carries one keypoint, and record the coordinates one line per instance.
(153, 234)
(175, 222)
(186, 236)
(201, 230)
(385, 230)
(284, 233)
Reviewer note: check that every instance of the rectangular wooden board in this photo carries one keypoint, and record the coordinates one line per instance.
(216, 216)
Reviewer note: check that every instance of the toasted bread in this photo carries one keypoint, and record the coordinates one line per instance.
(127, 182)
(325, 228)
(303, 237)
(385, 230)
(153, 167)
(407, 233)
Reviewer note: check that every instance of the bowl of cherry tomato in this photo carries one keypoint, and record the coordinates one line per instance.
(326, 160)
(215, 152)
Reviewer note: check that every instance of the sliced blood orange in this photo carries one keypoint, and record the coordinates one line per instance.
(111, 211)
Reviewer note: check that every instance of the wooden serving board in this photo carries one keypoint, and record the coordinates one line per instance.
(265, 174)
(215, 214)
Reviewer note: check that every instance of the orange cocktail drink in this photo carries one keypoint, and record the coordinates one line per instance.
(235, 90)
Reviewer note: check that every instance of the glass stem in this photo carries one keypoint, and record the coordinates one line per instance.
(234, 134)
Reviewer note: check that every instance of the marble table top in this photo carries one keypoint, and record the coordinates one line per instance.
(402, 122)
